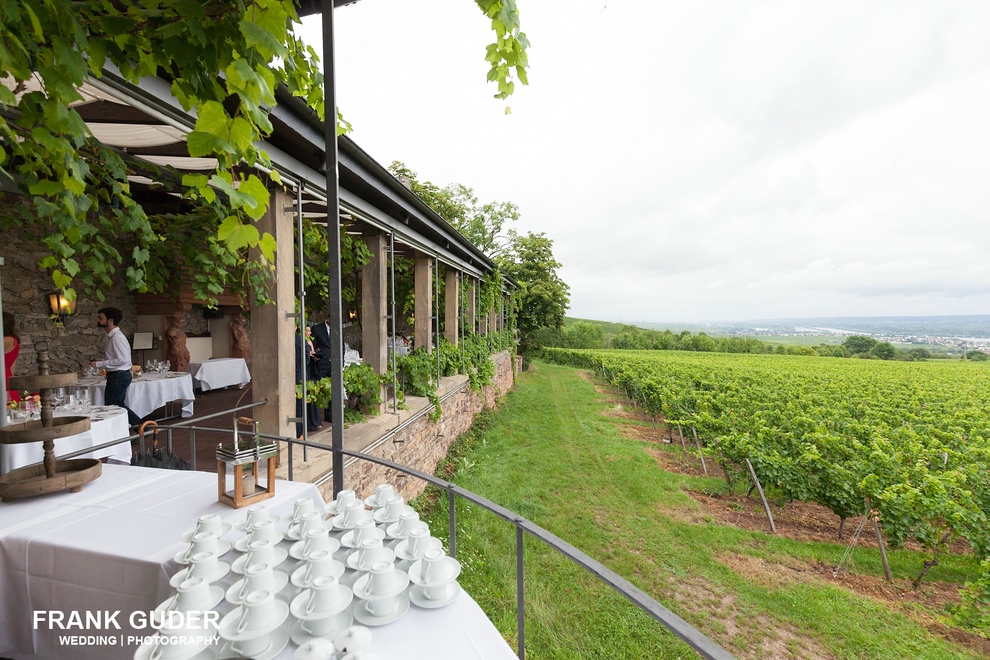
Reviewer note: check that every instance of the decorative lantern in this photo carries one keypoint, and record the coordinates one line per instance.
(246, 459)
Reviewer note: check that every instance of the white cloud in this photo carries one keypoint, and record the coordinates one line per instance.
(706, 160)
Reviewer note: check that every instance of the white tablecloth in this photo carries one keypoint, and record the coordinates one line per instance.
(107, 423)
(219, 373)
(111, 548)
(147, 392)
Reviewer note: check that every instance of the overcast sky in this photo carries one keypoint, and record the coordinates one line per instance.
(702, 161)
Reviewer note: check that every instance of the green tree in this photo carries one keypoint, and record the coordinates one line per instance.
(883, 350)
(543, 297)
(482, 224)
(977, 356)
(584, 335)
(857, 344)
(225, 61)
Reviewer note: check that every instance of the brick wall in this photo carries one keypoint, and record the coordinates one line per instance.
(423, 444)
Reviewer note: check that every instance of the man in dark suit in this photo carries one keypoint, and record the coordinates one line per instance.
(321, 359)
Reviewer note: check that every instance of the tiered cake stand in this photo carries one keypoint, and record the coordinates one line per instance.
(52, 475)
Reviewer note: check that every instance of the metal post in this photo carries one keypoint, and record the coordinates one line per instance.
(436, 311)
(3, 381)
(452, 519)
(302, 321)
(192, 447)
(395, 372)
(333, 251)
(520, 589)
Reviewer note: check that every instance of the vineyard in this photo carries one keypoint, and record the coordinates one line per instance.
(908, 441)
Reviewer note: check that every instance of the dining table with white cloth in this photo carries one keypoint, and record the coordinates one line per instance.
(147, 392)
(106, 423)
(218, 373)
(112, 548)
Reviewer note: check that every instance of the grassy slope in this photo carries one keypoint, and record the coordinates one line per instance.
(551, 455)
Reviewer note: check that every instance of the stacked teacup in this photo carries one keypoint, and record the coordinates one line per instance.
(414, 546)
(253, 629)
(435, 580)
(321, 610)
(380, 594)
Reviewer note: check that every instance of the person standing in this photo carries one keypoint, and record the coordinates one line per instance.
(11, 349)
(321, 356)
(117, 361)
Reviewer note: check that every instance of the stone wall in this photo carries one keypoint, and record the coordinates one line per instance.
(25, 295)
(423, 444)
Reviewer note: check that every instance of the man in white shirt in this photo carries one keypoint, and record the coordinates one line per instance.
(117, 362)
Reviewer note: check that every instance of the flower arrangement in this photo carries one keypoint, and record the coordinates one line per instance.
(136, 370)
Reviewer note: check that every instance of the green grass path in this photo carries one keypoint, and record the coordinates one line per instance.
(550, 454)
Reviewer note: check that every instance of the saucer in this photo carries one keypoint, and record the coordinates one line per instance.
(452, 572)
(361, 586)
(242, 526)
(241, 544)
(216, 595)
(199, 652)
(379, 515)
(419, 599)
(370, 501)
(223, 547)
(300, 635)
(278, 640)
(364, 617)
(333, 507)
(347, 540)
(392, 531)
(401, 548)
(298, 610)
(298, 579)
(281, 579)
(240, 563)
(222, 569)
(296, 550)
(352, 560)
(187, 535)
(228, 624)
(293, 532)
(337, 524)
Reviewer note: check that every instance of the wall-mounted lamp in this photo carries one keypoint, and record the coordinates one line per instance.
(352, 314)
(60, 307)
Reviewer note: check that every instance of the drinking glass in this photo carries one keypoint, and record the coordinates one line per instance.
(58, 396)
(168, 366)
(84, 398)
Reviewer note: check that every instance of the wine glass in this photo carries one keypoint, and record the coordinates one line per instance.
(58, 397)
(84, 398)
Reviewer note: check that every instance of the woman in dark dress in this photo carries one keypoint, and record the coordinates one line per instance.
(11, 349)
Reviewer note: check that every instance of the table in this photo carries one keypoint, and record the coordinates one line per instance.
(219, 373)
(148, 392)
(111, 547)
(107, 423)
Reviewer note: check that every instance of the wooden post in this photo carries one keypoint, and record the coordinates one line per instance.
(700, 452)
(880, 544)
(680, 432)
(759, 488)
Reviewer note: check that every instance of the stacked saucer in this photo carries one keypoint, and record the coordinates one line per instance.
(209, 522)
(316, 564)
(391, 512)
(308, 521)
(202, 542)
(336, 507)
(348, 519)
(400, 530)
(256, 577)
(316, 539)
(380, 496)
(263, 530)
(380, 591)
(435, 580)
(260, 552)
(255, 515)
(205, 565)
(253, 629)
(321, 610)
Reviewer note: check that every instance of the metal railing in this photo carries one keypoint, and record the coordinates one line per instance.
(701, 644)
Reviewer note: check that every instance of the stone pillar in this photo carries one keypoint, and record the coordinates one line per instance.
(452, 306)
(374, 290)
(423, 311)
(472, 311)
(273, 368)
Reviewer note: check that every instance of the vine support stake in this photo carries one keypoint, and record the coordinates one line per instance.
(680, 432)
(759, 489)
(704, 467)
(880, 543)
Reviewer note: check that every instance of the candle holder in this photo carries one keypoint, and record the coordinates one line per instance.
(245, 457)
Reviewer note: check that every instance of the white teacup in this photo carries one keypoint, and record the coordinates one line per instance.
(434, 568)
(318, 539)
(203, 565)
(394, 507)
(369, 553)
(257, 612)
(408, 521)
(382, 582)
(301, 506)
(255, 515)
(258, 577)
(353, 512)
(344, 497)
(307, 522)
(326, 596)
(209, 522)
(264, 530)
(202, 542)
(365, 529)
(192, 595)
(319, 563)
(258, 552)
(382, 493)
